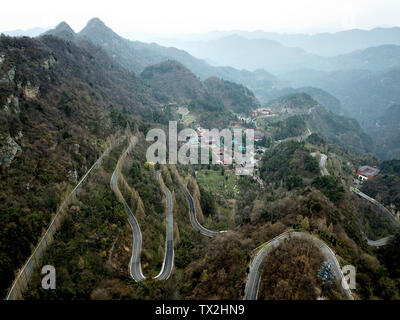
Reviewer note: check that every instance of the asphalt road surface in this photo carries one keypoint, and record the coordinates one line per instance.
(135, 267)
(322, 163)
(298, 138)
(376, 243)
(382, 207)
(383, 241)
(168, 263)
(379, 243)
(37, 254)
(192, 215)
(256, 266)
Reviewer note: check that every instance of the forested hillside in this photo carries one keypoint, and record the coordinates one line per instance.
(59, 103)
(297, 112)
(212, 102)
(64, 94)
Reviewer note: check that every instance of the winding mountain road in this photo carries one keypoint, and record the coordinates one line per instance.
(135, 267)
(168, 263)
(383, 241)
(322, 163)
(298, 138)
(380, 242)
(381, 206)
(193, 217)
(21, 281)
(256, 266)
(372, 243)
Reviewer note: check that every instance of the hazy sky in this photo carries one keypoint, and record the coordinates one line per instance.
(187, 16)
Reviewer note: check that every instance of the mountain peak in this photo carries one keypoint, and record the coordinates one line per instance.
(95, 25)
(95, 22)
(62, 30)
(97, 31)
(63, 26)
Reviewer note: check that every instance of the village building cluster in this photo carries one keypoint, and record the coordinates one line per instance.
(247, 164)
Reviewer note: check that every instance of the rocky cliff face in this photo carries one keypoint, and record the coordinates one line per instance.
(8, 77)
(11, 105)
(9, 149)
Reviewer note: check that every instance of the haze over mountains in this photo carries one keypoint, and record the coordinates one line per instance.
(32, 32)
(136, 56)
(358, 67)
(63, 94)
(323, 44)
(251, 54)
(361, 84)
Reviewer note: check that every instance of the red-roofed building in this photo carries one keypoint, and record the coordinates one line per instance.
(258, 135)
(366, 172)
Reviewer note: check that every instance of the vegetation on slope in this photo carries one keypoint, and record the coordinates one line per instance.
(299, 110)
(289, 164)
(290, 273)
(91, 249)
(62, 99)
(61, 103)
(237, 98)
(211, 102)
(385, 187)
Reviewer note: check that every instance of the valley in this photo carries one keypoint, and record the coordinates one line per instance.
(76, 110)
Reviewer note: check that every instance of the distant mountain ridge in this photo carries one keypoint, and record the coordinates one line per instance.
(386, 133)
(365, 82)
(365, 95)
(252, 54)
(323, 44)
(343, 42)
(32, 32)
(136, 56)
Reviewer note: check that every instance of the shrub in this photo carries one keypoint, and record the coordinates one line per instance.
(330, 186)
